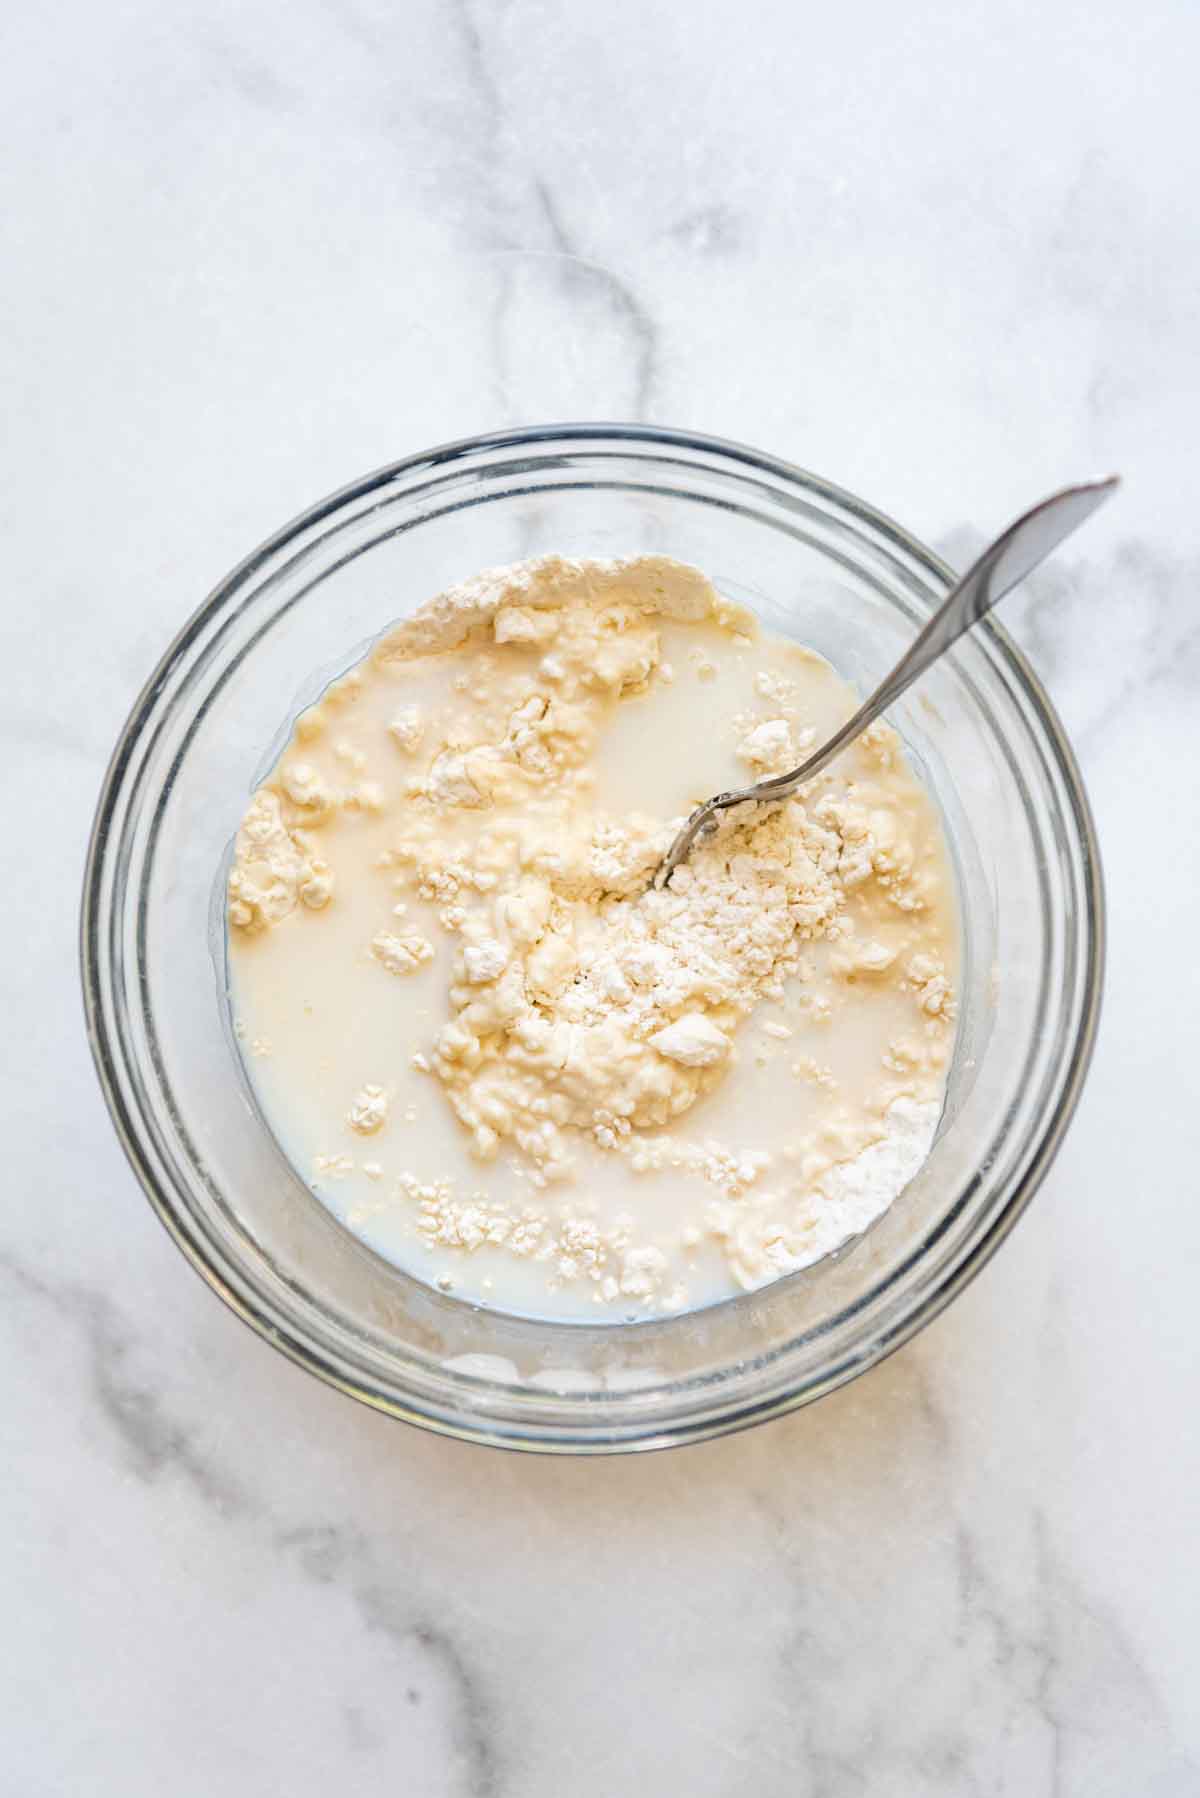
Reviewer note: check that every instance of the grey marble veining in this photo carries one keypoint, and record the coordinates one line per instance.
(943, 254)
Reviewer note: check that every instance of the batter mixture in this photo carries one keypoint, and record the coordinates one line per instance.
(499, 1058)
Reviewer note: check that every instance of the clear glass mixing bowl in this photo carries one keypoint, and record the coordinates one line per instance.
(813, 562)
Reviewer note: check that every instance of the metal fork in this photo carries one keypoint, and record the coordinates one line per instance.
(1001, 567)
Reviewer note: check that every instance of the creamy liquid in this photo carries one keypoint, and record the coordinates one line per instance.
(805, 1089)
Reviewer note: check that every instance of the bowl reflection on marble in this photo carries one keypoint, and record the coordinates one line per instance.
(814, 563)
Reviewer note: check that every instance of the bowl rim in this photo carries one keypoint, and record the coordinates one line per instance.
(744, 1414)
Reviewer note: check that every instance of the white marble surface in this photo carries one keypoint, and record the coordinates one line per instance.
(945, 253)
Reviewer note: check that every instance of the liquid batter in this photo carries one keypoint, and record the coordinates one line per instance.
(496, 1056)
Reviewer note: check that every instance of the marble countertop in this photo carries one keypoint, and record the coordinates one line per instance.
(943, 253)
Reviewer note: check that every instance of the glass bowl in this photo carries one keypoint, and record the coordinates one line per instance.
(813, 562)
